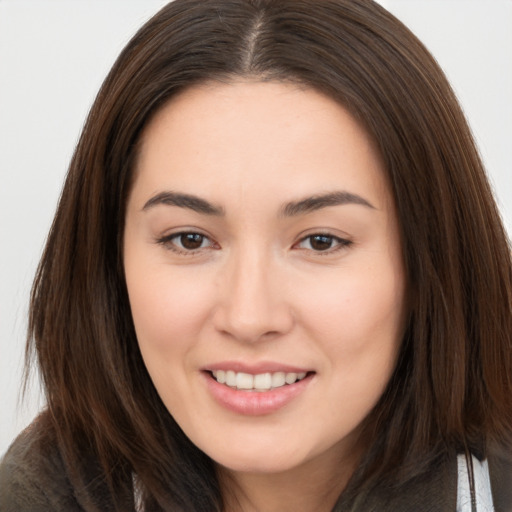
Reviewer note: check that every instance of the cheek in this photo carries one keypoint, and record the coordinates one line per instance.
(358, 326)
(168, 309)
(356, 308)
(357, 322)
(169, 313)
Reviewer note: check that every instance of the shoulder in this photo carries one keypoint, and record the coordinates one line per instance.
(33, 476)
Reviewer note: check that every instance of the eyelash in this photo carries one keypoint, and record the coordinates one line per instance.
(340, 243)
(168, 242)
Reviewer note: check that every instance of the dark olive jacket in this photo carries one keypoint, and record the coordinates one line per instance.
(34, 478)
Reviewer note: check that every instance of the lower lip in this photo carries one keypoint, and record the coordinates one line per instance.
(255, 403)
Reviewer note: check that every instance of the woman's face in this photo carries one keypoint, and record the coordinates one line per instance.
(264, 271)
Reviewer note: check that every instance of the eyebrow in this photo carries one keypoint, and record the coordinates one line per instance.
(291, 209)
(184, 201)
(317, 202)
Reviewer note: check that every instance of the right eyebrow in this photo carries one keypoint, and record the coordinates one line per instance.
(317, 202)
(181, 200)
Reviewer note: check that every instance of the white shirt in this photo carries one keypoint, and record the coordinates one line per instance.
(482, 486)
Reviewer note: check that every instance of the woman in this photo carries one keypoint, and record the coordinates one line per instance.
(276, 279)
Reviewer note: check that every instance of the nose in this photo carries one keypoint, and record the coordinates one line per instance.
(253, 303)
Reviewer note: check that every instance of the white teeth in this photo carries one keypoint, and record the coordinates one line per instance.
(263, 381)
(231, 378)
(259, 382)
(278, 379)
(244, 381)
(290, 378)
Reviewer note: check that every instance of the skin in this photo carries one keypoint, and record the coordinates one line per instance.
(260, 288)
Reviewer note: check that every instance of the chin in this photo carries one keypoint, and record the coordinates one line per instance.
(258, 464)
(261, 459)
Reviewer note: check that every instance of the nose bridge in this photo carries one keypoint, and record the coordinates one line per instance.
(254, 303)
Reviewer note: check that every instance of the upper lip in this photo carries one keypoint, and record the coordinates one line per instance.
(256, 368)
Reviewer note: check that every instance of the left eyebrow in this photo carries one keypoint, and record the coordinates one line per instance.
(181, 200)
(317, 202)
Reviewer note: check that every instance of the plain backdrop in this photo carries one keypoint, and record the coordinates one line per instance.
(54, 55)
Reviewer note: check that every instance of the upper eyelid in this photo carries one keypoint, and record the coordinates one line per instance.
(334, 233)
(169, 236)
(183, 231)
(338, 238)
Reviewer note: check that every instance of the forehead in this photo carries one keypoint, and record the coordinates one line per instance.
(257, 136)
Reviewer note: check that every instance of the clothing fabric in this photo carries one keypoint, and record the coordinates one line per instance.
(34, 478)
(482, 485)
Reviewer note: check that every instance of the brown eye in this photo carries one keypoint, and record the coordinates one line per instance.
(323, 243)
(186, 242)
(190, 241)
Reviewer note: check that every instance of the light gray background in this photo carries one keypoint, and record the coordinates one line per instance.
(54, 55)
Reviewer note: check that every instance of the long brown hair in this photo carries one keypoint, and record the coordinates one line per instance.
(452, 388)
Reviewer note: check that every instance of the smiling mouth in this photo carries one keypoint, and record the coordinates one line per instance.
(259, 382)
